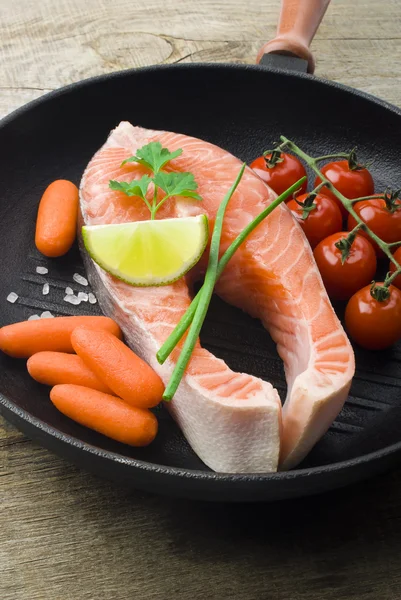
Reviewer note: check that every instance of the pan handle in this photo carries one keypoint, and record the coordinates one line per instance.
(298, 23)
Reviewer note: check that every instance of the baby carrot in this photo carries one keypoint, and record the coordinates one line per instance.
(52, 368)
(56, 224)
(115, 364)
(21, 340)
(106, 414)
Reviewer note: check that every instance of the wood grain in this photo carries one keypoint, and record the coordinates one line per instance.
(68, 536)
(55, 43)
(65, 535)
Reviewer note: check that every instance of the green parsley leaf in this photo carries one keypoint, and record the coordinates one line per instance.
(138, 187)
(153, 156)
(178, 184)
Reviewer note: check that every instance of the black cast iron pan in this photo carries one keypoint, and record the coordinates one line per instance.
(243, 109)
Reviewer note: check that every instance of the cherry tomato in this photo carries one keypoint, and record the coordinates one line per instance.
(283, 174)
(343, 280)
(350, 183)
(320, 222)
(397, 256)
(383, 222)
(372, 324)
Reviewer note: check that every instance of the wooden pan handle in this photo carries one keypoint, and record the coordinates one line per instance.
(298, 23)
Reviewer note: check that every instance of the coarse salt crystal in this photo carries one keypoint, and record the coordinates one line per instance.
(45, 289)
(71, 299)
(33, 318)
(92, 298)
(83, 296)
(12, 297)
(69, 291)
(46, 315)
(42, 270)
(80, 279)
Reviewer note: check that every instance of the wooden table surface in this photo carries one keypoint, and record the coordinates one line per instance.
(65, 535)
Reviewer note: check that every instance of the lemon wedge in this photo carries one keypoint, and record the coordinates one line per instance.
(148, 253)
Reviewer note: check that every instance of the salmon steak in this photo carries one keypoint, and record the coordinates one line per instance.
(234, 421)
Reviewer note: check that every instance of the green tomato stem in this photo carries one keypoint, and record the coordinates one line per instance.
(186, 320)
(331, 156)
(206, 294)
(389, 279)
(352, 234)
(374, 197)
(348, 204)
(345, 244)
(380, 293)
(317, 189)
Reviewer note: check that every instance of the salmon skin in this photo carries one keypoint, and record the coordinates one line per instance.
(233, 421)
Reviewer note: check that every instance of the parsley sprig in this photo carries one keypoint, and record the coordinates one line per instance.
(155, 158)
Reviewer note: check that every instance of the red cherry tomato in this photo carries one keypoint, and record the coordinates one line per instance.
(397, 256)
(343, 280)
(283, 174)
(350, 183)
(320, 222)
(384, 223)
(372, 324)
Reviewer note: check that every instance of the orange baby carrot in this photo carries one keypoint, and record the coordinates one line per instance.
(21, 340)
(115, 364)
(53, 368)
(56, 224)
(106, 414)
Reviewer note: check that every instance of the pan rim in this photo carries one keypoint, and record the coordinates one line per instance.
(145, 466)
(186, 473)
(48, 96)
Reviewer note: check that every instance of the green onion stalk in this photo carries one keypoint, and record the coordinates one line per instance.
(196, 312)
